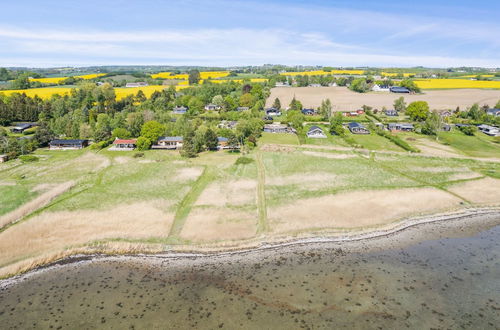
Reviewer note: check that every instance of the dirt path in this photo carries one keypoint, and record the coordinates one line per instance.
(188, 201)
(263, 225)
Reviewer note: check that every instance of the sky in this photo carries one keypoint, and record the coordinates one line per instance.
(438, 33)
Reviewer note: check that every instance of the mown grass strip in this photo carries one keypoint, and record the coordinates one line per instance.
(263, 225)
(188, 201)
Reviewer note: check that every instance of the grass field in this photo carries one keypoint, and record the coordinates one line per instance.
(163, 201)
(374, 142)
(476, 146)
(278, 138)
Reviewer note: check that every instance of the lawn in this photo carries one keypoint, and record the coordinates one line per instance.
(331, 140)
(475, 146)
(374, 142)
(278, 138)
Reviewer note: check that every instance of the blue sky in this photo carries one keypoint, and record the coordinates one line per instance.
(226, 33)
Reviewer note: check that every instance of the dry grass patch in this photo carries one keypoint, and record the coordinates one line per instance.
(308, 180)
(122, 160)
(237, 192)
(53, 232)
(484, 191)
(435, 148)
(219, 224)
(328, 155)
(359, 209)
(188, 173)
(35, 204)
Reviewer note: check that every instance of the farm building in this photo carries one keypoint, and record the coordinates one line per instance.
(223, 144)
(273, 112)
(20, 128)
(400, 127)
(179, 110)
(4, 158)
(125, 145)
(391, 113)
(68, 144)
(212, 107)
(396, 89)
(316, 132)
(136, 84)
(278, 128)
(357, 128)
(380, 88)
(168, 142)
(353, 113)
(489, 130)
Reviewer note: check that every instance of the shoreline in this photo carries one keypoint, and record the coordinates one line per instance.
(396, 234)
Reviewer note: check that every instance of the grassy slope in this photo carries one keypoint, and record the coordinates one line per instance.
(278, 138)
(475, 146)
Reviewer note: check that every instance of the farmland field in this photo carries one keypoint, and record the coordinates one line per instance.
(344, 99)
(56, 80)
(456, 84)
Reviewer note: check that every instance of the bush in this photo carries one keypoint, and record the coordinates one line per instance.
(28, 158)
(138, 155)
(243, 161)
(468, 130)
(143, 143)
(100, 145)
(30, 131)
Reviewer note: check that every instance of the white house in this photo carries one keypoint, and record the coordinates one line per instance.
(377, 88)
(316, 132)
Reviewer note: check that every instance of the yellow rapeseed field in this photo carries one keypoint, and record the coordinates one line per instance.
(184, 76)
(456, 83)
(59, 79)
(322, 73)
(393, 74)
(475, 75)
(121, 92)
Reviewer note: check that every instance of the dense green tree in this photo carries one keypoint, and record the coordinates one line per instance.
(336, 124)
(474, 112)
(194, 77)
(418, 110)
(21, 82)
(152, 130)
(432, 124)
(400, 104)
(143, 143)
(211, 140)
(188, 145)
(295, 105)
(410, 84)
(360, 85)
(121, 133)
(325, 110)
(277, 104)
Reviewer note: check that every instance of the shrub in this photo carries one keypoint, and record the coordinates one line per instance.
(100, 145)
(30, 131)
(396, 140)
(243, 161)
(143, 143)
(138, 155)
(28, 158)
(468, 130)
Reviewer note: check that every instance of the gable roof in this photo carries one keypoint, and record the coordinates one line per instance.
(122, 141)
(171, 138)
(62, 141)
(315, 128)
(355, 124)
(222, 139)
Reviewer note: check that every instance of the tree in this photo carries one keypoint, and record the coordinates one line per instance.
(325, 110)
(295, 105)
(21, 82)
(194, 77)
(277, 104)
(336, 124)
(432, 124)
(360, 85)
(418, 110)
(400, 104)
(211, 140)
(474, 112)
(188, 146)
(140, 97)
(143, 143)
(43, 135)
(410, 84)
(152, 130)
(246, 100)
(497, 106)
(103, 128)
(121, 133)
(218, 100)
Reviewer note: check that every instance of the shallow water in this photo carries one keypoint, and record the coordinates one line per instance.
(441, 283)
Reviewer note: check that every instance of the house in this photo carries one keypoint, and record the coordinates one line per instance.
(446, 127)
(223, 144)
(68, 144)
(314, 85)
(445, 114)
(461, 125)
(20, 128)
(493, 112)
(273, 112)
(179, 110)
(316, 132)
(357, 128)
(242, 109)
(400, 127)
(380, 126)
(136, 84)
(380, 88)
(353, 113)
(125, 145)
(169, 143)
(4, 158)
(231, 124)
(309, 112)
(489, 130)
(391, 113)
(278, 128)
(396, 89)
(212, 107)
(281, 84)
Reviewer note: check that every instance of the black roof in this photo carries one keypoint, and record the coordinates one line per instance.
(23, 126)
(61, 141)
(312, 128)
(354, 124)
(396, 89)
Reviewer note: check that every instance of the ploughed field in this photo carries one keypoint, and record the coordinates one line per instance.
(344, 99)
(71, 202)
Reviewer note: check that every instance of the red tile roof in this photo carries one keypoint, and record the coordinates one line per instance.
(118, 141)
